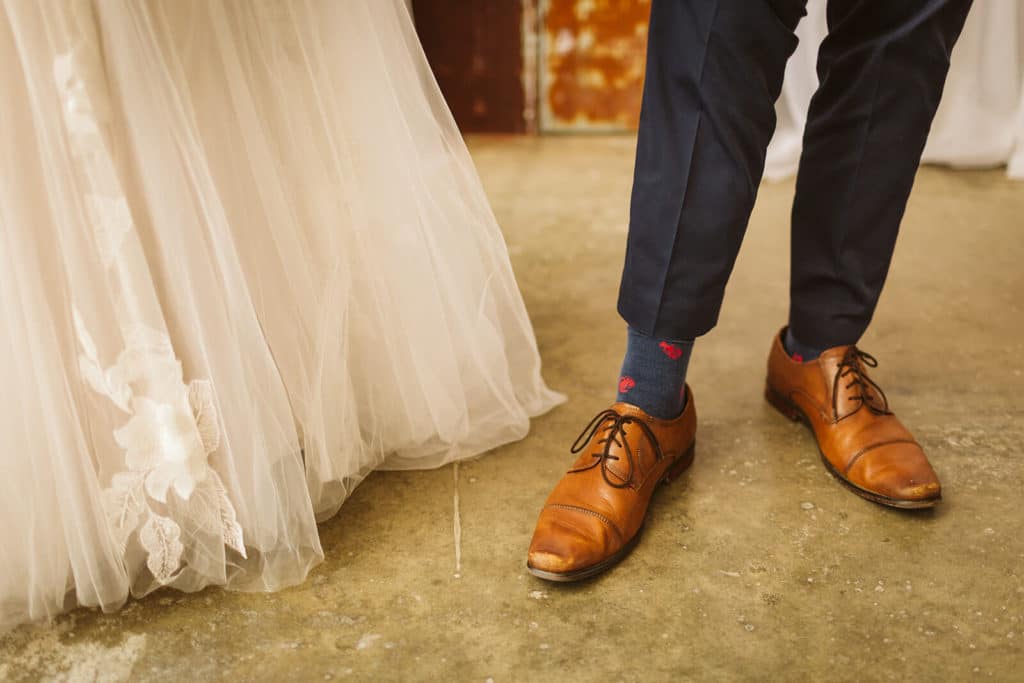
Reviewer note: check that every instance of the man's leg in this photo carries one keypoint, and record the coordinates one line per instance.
(881, 71)
(714, 71)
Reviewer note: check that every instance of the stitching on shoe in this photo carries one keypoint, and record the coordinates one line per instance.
(861, 452)
(632, 483)
(576, 508)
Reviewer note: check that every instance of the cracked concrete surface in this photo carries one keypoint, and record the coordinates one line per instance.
(756, 565)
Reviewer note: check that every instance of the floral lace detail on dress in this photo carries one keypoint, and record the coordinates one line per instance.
(85, 115)
(172, 428)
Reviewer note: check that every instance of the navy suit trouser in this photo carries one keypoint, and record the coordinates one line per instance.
(714, 71)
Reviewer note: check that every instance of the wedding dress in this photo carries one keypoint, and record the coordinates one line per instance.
(245, 259)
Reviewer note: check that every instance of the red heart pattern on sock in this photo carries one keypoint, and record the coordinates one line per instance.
(671, 350)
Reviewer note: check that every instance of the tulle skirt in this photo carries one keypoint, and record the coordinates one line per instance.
(244, 260)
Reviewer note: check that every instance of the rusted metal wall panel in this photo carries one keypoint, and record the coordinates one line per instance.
(591, 64)
(476, 51)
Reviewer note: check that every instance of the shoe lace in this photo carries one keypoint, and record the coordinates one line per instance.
(852, 365)
(612, 426)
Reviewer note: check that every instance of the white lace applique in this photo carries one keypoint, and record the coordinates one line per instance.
(172, 430)
(112, 220)
(168, 491)
(110, 383)
(79, 83)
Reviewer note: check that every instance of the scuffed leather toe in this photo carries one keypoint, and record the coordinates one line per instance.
(569, 540)
(899, 471)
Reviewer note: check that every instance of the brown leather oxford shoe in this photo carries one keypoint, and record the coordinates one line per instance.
(860, 440)
(594, 516)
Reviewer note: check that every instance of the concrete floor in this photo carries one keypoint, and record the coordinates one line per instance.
(757, 565)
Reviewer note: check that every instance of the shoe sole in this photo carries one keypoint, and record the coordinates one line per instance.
(794, 413)
(681, 465)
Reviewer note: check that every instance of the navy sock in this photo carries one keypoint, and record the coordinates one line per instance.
(798, 351)
(653, 376)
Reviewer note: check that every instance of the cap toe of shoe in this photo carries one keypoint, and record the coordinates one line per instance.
(899, 471)
(568, 540)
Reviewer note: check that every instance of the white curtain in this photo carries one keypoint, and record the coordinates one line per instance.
(980, 122)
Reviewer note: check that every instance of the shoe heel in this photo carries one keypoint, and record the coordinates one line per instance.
(782, 404)
(681, 464)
